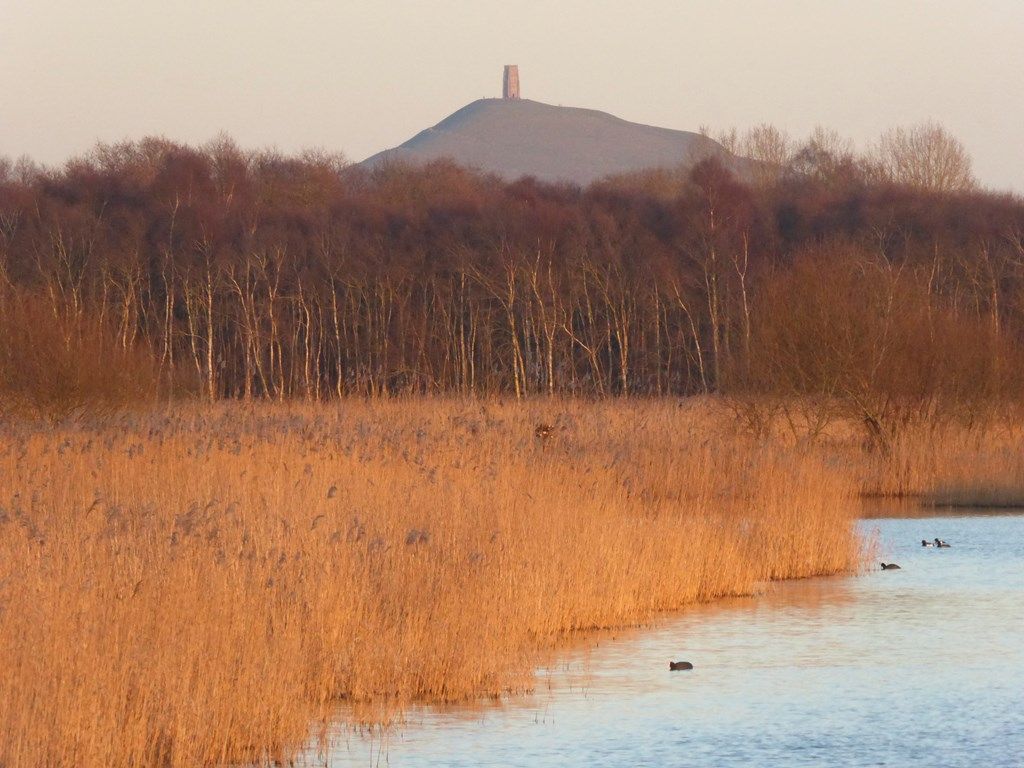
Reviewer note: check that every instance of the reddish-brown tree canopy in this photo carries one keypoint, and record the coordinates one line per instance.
(256, 274)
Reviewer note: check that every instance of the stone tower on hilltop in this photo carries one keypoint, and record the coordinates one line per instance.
(510, 83)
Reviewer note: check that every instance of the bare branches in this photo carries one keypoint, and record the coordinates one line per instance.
(257, 275)
(924, 156)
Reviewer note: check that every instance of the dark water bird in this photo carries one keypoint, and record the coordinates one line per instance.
(926, 543)
(676, 666)
(940, 543)
(890, 567)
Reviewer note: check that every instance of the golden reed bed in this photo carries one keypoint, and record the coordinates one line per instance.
(201, 586)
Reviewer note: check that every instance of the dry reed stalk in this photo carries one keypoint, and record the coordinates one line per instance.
(981, 466)
(196, 588)
(976, 462)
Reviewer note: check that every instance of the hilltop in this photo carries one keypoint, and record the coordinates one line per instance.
(519, 137)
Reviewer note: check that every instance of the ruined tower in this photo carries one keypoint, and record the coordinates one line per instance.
(510, 83)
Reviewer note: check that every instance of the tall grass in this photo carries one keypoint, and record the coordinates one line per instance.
(197, 588)
(952, 465)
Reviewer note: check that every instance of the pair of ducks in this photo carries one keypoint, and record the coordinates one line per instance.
(924, 543)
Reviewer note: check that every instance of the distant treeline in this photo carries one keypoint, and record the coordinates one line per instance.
(259, 275)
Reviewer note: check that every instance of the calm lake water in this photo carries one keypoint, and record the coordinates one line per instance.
(921, 666)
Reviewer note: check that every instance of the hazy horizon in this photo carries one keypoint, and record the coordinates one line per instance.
(362, 78)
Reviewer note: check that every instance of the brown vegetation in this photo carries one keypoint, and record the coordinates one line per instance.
(56, 363)
(840, 337)
(257, 275)
(195, 589)
(202, 586)
(950, 465)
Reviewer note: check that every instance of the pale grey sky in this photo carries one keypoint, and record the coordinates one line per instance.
(356, 76)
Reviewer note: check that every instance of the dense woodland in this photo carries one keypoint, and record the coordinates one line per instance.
(256, 275)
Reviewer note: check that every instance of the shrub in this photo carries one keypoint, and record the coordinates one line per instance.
(58, 365)
(841, 334)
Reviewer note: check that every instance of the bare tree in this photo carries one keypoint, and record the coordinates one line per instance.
(771, 151)
(824, 156)
(924, 156)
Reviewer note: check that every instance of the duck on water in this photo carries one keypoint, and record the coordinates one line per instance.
(890, 567)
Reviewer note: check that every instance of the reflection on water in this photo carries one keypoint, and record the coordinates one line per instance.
(922, 666)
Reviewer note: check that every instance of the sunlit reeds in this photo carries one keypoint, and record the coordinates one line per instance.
(952, 465)
(194, 589)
